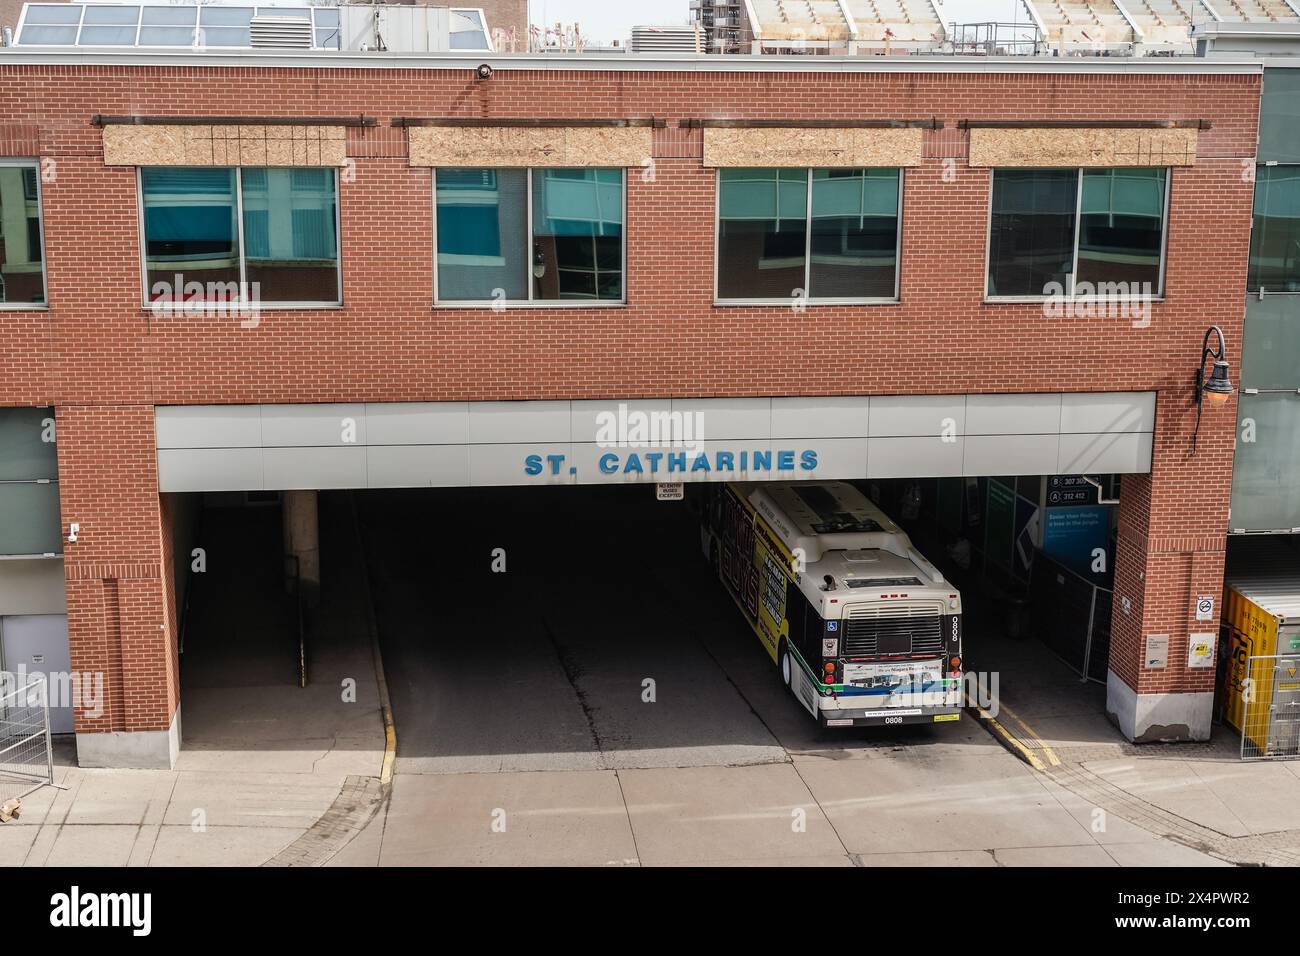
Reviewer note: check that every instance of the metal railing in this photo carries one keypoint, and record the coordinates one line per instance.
(1270, 718)
(26, 752)
(1072, 616)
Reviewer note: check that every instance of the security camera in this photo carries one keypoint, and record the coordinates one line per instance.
(484, 71)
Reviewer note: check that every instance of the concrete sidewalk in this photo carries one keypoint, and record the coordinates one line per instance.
(1201, 795)
(267, 768)
(228, 802)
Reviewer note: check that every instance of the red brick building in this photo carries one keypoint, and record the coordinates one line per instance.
(93, 124)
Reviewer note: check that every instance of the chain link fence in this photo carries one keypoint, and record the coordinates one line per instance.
(26, 755)
(1270, 695)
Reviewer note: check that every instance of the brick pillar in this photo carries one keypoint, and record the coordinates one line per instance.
(121, 608)
(1172, 535)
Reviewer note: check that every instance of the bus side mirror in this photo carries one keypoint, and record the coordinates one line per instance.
(830, 583)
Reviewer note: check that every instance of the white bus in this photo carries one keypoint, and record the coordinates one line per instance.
(865, 631)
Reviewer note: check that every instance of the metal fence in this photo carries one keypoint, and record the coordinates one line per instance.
(1072, 616)
(26, 754)
(1270, 719)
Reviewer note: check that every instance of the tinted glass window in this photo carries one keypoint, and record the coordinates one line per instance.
(854, 233)
(1275, 240)
(762, 233)
(190, 228)
(577, 234)
(289, 234)
(485, 250)
(22, 273)
(482, 234)
(1122, 228)
(1031, 235)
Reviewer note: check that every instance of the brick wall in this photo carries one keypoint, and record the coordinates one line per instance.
(10, 11)
(121, 612)
(105, 362)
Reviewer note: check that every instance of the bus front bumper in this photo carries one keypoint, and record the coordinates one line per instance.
(886, 717)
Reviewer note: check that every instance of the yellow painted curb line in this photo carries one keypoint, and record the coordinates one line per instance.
(385, 702)
(390, 730)
(1051, 756)
(1010, 740)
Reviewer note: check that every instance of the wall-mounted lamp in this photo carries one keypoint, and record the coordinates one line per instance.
(73, 530)
(1217, 389)
(539, 262)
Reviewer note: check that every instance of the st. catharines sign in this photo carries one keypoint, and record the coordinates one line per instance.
(746, 463)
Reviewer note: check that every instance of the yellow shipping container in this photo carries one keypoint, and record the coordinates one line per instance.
(1261, 618)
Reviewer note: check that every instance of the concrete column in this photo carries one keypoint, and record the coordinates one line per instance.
(302, 541)
(1171, 546)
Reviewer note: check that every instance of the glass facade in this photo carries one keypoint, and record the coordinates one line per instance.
(1265, 492)
(22, 267)
(198, 247)
(1077, 231)
(29, 491)
(516, 235)
(1275, 237)
(773, 243)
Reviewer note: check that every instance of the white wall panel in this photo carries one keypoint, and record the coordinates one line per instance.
(424, 444)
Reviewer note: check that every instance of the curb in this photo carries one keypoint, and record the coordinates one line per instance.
(1011, 741)
(385, 702)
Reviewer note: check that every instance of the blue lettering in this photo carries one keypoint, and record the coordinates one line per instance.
(726, 461)
(633, 465)
(676, 461)
(608, 463)
(762, 461)
(744, 461)
(701, 462)
(653, 457)
(808, 460)
(533, 465)
(785, 461)
(556, 461)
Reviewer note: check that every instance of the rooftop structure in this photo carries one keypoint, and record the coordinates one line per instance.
(401, 28)
(845, 26)
(688, 38)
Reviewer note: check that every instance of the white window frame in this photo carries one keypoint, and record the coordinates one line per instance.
(239, 231)
(530, 302)
(1159, 295)
(35, 164)
(807, 258)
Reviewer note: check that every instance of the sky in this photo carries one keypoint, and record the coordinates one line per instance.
(606, 20)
